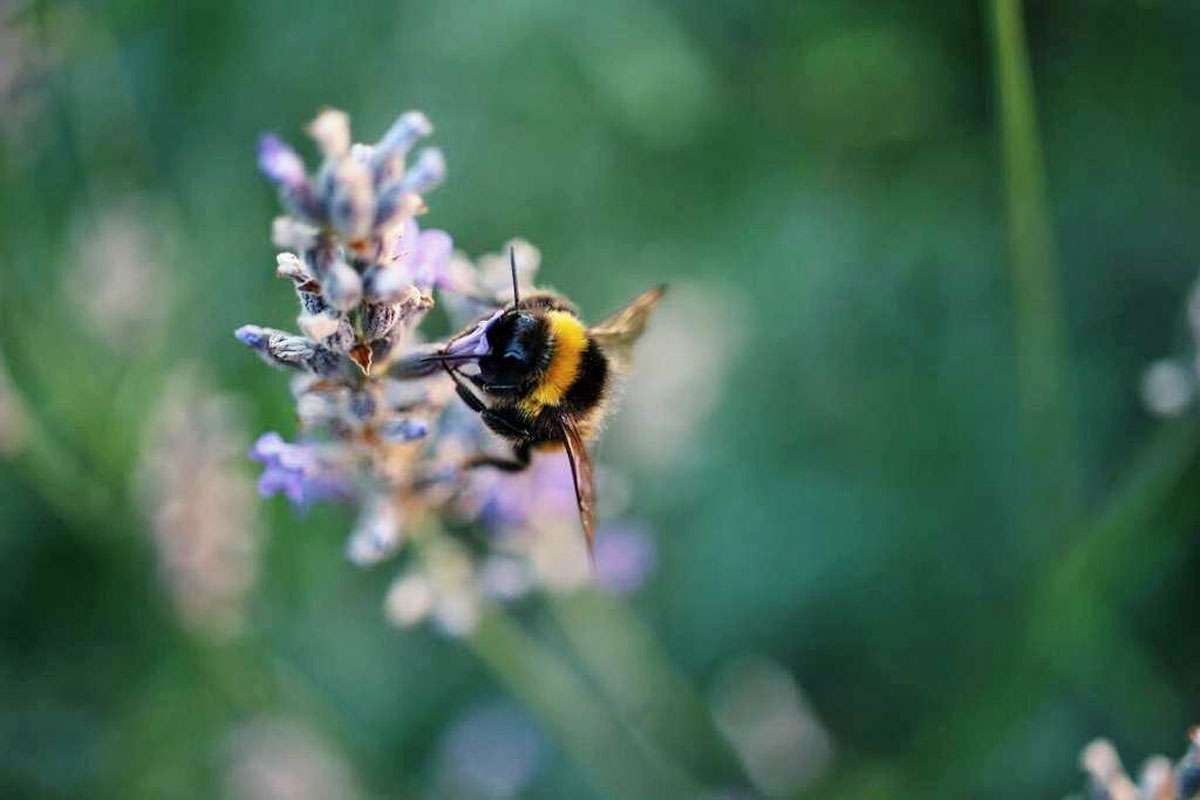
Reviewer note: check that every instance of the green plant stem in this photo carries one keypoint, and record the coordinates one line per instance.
(581, 723)
(1071, 638)
(626, 661)
(61, 478)
(1046, 419)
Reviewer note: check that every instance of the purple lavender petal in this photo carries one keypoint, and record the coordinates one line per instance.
(267, 447)
(280, 164)
(295, 471)
(625, 556)
(544, 491)
(431, 260)
(252, 336)
(410, 127)
(404, 430)
(404, 248)
(427, 172)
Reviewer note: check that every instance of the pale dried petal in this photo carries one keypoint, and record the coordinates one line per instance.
(331, 131)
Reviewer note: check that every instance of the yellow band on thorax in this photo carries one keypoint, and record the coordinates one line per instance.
(568, 338)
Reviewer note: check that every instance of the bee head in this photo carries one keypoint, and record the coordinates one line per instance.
(516, 341)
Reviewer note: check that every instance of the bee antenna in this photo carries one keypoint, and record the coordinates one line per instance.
(512, 261)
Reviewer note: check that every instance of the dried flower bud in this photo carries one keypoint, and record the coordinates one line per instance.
(409, 600)
(288, 265)
(277, 347)
(342, 286)
(427, 173)
(322, 325)
(410, 127)
(389, 285)
(292, 234)
(379, 319)
(396, 205)
(352, 203)
(331, 131)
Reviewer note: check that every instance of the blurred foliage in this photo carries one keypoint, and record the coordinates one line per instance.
(858, 506)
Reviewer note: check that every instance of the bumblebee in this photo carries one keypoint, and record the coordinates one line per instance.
(545, 379)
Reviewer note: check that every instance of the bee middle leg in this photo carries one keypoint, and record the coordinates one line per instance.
(512, 425)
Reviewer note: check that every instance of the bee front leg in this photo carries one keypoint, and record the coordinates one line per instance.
(469, 397)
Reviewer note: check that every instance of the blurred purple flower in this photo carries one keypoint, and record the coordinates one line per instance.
(544, 490)
(422, 257)
(492, 751)
(1159, 778)
(189, 467)
(297, 471)
(625, 556)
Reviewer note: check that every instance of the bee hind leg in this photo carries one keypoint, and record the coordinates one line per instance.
(517, 463)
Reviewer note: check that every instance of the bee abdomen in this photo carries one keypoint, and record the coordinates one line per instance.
(591, 379)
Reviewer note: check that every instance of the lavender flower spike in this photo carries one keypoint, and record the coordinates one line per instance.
(379, 423)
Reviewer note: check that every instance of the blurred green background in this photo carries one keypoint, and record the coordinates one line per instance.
(912, 472)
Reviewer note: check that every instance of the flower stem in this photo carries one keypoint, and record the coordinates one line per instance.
(1046, 419)
(649, 694)
(580, 721)
(1070, 634)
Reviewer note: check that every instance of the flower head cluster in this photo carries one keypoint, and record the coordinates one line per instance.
(1159, 779)
(491, 750)
(270, 758)
(201, 504)
(366, 275)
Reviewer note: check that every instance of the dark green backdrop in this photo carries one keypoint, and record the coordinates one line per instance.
(963, 607)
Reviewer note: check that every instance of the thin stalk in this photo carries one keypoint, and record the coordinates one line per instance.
(580, 722)
(1046, 418)
(1071, 638)
(657, 702)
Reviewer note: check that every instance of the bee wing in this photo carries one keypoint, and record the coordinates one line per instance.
(617, 334)
(583, 474)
